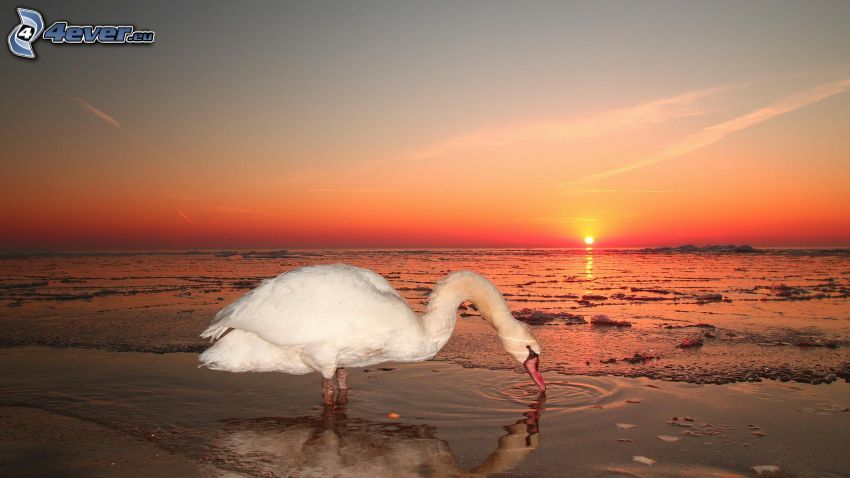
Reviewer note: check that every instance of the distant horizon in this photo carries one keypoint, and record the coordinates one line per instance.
(407, 248)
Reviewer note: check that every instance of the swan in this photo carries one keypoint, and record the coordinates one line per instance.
(324, 318)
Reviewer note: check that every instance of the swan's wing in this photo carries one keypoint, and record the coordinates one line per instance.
(378, 281)
(316, 304)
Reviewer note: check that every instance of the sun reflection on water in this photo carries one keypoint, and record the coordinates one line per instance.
(588, 263)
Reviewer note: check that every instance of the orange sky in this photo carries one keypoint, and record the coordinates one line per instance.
(368, 132)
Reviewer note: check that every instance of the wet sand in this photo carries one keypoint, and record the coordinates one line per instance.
(39, 443)
(128, 407)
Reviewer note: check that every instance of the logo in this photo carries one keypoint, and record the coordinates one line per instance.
(32, 24)
(26, 32)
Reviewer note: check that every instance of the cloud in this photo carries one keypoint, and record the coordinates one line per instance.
(185, 217)
(573, 220)
(353, 190)
(246, 211)
(564, 131)
(100, 114)
(563, 219)
(633, 191)
(712, 134)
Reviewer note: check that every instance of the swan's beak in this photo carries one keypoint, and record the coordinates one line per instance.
(531, 366)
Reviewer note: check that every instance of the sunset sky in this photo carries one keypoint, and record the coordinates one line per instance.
(414, 124)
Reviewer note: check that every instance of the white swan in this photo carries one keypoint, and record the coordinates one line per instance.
(327, 317)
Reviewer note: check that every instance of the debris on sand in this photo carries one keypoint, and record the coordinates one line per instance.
(680, 422)
(640, 357)
(783, 290)
(769, 469)
(690, 342)
(654, 291)
(538, 317)
(698, 326)
(706, 298)
(668, 438)
(393, 416)
(639, 298)
(832, 344)
(378, 369)
(644, 460)
(604, 320)
(625, 426)
(634, 400)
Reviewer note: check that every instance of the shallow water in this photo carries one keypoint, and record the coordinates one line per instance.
(782, 314)
(452, 420)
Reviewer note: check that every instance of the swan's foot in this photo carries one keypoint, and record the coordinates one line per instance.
(342, 378)
(342, 397)
(328, 391)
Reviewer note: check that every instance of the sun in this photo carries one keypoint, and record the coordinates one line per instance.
(588, 240)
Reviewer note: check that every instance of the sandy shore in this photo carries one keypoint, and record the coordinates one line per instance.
(39, 443)
(158, 414)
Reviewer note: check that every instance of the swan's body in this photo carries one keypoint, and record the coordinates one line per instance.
(323, 318)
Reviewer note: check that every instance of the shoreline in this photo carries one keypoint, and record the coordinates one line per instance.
(39, 442)
(757, 374)
(580, 349)
(468, 422)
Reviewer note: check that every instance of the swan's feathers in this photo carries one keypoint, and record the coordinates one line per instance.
(316, 304)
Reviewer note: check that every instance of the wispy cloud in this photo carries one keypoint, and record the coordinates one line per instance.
(573, 220)
(185, 217)
(245, 211)
(353, 190)
(591, 191)
(712, 134)
(100, 114)
(632, 191)
(684, 105)
(563, 219)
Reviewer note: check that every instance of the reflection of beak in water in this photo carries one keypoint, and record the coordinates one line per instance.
(334, 445)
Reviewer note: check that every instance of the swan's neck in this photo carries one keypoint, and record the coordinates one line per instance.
(457, 287)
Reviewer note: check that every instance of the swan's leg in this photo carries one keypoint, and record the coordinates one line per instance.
(342, 378)
(328, 390)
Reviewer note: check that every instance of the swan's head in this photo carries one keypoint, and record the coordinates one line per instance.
(525, 349)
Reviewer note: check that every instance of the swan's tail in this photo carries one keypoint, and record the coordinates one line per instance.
(214, 333)
(218, 327)
(241, 351)
(220, 324)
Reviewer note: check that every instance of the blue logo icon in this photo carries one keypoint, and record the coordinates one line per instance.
(32, 25)
(26, 32)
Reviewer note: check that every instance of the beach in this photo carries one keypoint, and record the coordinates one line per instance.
(722, 361)
(452, 421)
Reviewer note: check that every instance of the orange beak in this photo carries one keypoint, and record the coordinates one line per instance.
(531, 366)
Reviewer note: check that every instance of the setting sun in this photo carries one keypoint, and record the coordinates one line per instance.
(588, 240)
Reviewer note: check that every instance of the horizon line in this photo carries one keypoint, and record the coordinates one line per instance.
(397, 248)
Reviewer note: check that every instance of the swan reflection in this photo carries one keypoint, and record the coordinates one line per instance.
(334, 444)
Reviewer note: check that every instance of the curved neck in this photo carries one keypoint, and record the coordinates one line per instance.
(455, 288)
